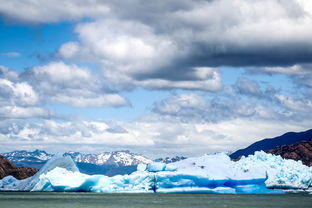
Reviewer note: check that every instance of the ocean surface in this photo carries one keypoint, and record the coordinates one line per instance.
(86, 200)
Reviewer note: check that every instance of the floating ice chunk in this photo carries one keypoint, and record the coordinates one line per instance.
(280, 173)
(159, 166)
(60, 179)
(156, 167)
(170, 167)
(141, 167)
(28, 184)
(6, 181)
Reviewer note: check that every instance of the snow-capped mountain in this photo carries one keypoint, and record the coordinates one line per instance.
(116, 158)
(26, 156)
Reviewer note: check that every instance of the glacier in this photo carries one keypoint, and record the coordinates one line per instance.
(260, 173)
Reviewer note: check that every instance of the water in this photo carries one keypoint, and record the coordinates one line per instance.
(86, 200)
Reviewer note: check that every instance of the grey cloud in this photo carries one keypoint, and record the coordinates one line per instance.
(164, 42)
(249, 87)
(232, 33)
(210, 33)
(50, 11)
(149, 65)
(7, 73)
(192, 107)
(300, 74)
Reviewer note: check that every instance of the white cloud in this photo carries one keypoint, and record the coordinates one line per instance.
(133, 55)
(72, 85)
(153, 135)
(131, 47)
(19, 93)
(10, 54)
(6, 73)
(162, 47)
(172, 45)
(18, 99)
(194, 108)
(71, 133)
(296, 105)
(97, 101)
(69, 50)
(50, 11)
(16, 112)
(290, 70)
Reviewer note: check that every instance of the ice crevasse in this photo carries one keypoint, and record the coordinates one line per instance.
(260, 173)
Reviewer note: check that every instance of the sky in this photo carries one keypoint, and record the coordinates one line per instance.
(159, 78)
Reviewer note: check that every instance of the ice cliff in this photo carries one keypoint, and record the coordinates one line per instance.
(258, 173)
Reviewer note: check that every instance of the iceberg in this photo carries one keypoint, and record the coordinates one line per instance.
(27, 184)
(260, 173)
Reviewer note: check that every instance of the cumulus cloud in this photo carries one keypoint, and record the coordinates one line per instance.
(72, 85)
(16, 112)
(133, 55)
(164, 45)
(23, 94)
(187, 33)
(194, 108)
(154, 45)
(7, 73)
(18, 99)
(226, 33)
(19, 93)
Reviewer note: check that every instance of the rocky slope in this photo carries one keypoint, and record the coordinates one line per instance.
(7, 168)
(268, 144)
(299, 151)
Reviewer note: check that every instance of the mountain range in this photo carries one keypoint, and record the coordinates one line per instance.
(289, 138)
(292, 145)
(116, 158)
(107, 163)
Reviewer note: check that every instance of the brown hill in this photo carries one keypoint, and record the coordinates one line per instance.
(299, 151)
(7, 168)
